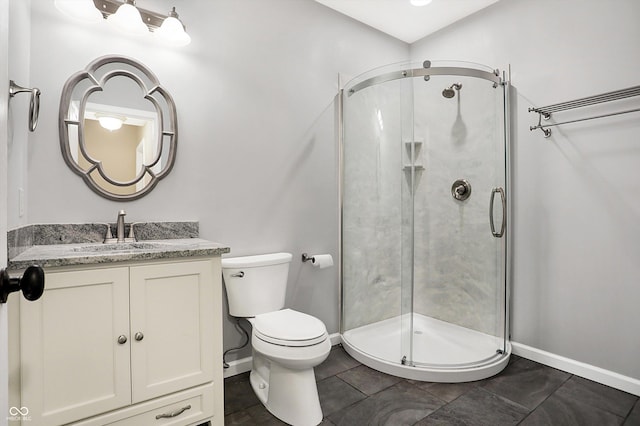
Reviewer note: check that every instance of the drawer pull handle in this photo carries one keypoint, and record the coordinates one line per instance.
(175, 413)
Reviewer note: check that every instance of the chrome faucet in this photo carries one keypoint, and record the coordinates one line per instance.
(120, 231)
(120, 226)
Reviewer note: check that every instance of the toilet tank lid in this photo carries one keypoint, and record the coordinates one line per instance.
(257, 260)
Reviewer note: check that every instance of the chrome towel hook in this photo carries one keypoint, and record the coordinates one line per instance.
(34, 105)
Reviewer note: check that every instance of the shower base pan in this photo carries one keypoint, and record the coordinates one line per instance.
(442, 352)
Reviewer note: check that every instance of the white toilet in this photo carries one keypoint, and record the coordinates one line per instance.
(286, 344)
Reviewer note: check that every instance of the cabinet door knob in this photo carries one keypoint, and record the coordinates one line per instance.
(122, 339)
(138, 336)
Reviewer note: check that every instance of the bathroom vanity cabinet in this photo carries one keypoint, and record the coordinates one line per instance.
(130, 343)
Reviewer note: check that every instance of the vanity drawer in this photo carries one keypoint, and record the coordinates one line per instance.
(184, 412)
(199, 400)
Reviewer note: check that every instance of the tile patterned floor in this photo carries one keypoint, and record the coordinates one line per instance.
(525, 393)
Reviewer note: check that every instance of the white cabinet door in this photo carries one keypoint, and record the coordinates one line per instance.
(72, 366)
(171, 308)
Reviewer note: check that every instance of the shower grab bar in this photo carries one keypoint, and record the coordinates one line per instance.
(504, 212)
(34, 104)
(546, 111)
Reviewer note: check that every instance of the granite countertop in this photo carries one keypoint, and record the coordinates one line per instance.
(97, 253)
(73, 244)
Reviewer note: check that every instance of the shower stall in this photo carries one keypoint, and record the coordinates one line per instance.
(424, 191)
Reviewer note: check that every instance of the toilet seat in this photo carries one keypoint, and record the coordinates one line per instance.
(289, 328)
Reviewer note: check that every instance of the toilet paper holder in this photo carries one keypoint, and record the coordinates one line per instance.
(320, 261)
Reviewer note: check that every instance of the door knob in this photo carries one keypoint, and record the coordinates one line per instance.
(31, 284)
(138, 336)
(122, 339)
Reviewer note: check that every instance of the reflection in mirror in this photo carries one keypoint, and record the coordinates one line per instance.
(118, 127)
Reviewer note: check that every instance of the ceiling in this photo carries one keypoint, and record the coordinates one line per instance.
(400, 19)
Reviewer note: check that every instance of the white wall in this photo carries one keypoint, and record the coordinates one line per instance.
(576, 208)
(4, 99)
(18, 142)
(257, 160)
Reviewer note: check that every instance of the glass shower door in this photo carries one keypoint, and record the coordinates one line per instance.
(375, 226)
(459, 267)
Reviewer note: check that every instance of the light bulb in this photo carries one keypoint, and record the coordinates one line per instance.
(127, 18)
(110, 123)
(172, 31)
(83, 10)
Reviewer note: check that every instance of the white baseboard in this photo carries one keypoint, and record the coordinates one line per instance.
(238, 366)
(244, 364)
(336, 339)
(597, 374)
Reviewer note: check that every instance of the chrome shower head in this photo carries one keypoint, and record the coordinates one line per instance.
(449, 92)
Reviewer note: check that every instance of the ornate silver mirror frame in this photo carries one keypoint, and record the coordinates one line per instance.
(81, 151)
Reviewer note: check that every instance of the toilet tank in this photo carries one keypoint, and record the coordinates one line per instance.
(256, 284)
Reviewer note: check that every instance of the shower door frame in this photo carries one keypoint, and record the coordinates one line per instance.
(420, 372)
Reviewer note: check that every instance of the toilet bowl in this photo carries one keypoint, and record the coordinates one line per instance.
(282, 375)
(286, 344)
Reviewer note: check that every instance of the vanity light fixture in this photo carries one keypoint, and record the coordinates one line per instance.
(419, 2)
(125, 15)
(174, 33)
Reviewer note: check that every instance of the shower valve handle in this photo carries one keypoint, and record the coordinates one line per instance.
(461, 189)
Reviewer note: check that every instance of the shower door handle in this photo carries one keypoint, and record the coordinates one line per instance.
(504, 212)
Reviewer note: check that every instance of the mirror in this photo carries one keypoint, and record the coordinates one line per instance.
(118, 127)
